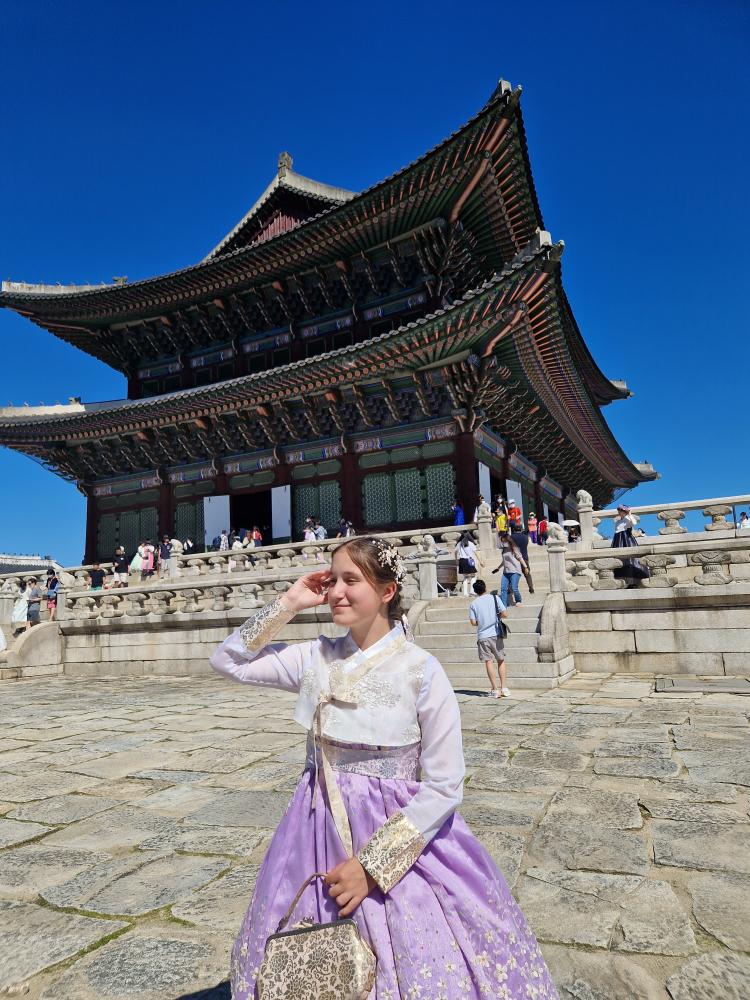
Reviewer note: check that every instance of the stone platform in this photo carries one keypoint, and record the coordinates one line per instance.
(134, 814)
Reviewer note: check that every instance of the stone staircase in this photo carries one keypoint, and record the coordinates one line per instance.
(445, 631)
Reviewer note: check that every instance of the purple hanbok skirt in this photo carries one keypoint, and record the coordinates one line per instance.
(449, 929)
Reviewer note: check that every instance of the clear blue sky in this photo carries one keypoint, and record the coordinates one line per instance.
(135, 136)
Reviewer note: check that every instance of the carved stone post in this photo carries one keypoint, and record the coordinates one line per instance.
(718, 518)
(485, 534)
(586, 517)
(63, 608)
(556, 548)
(427, 563)
(712, 565)
(605, 569)
(671, 520)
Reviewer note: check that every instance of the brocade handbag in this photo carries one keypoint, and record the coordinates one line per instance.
(316, 961)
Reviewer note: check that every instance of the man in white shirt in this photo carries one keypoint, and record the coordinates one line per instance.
(485, 614)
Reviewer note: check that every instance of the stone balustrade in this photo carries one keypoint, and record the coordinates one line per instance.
(712, 561)
(721, 514)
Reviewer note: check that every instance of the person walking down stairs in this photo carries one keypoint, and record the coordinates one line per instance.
(486, 614)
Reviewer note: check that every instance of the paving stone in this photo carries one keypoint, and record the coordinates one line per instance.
(691, 812)
(32, 938)
(714, 976)
(589, 847)
(517, 779)
(502, 811)
(721, 905)
(41, 786)
(652, 920)
(142, 968)
(561, 760)
(263, 810)
(603, 808)
(182, 800)
(118, 765)
(221, 905)
(581, 975)
(693, 791)
(478, 756)
(13, 832)
(116, 829)
(650, 751)
(237, 841)
(574, 908)
(506, 850)
(223, 760)
(705, 846)
(636, 767)
(26, 871)
(173, 777)
(124, 789)
(62, 809)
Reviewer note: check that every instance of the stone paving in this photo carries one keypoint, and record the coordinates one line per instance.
(134, 815)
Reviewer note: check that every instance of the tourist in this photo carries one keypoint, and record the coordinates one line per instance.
(136, 563)
(96, 577)
(308, 534)
(345, 529)
(531, 526)
(515, 518)
(486, 614)
(542, 529)
(380, 817)
(19, 614)
(744, 521)
(119, 568)
(34, 599)
(53, 589)
(501, 516)
(224, 541)
(233, 537)
(467, 560)
(477, 509)
(513, 566)
(165, 557)
(320, 532)
(458, 512)
(256, 536)
(632, 570)
(188, 546)
(521, 540)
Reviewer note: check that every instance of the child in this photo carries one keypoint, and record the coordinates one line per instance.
(375, 807)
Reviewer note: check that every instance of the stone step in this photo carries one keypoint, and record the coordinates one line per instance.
(447, 611)
(518, 625)
(459, 671)
(468, 654)
(514, 640)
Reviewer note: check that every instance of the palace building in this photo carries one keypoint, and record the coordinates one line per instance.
(369, 355)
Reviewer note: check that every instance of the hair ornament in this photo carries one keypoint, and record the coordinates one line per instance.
(389, 558)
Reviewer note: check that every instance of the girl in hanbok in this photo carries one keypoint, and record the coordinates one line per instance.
(376, 805)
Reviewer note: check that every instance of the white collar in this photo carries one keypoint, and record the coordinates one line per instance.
(361, 655)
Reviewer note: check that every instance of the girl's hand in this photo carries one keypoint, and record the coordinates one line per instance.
(348, 884)
(309, 591)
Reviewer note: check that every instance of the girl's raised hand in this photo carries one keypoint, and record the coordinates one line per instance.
(309, 591)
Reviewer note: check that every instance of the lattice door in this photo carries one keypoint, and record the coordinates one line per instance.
(441, 490)
(129, 532)
(377, 499)
(329, 505)
(107, 536)
(305, 502)
(407, 488)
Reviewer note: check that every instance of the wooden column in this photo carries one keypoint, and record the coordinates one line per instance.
(92, 531)
(351, 491)
(467, 473)
(539, 508)
(166, 509)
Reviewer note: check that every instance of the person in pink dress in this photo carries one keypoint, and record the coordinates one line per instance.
(376, 805)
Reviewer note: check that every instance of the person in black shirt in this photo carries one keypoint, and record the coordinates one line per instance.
(165, 557)
(96, 576)
(120, 568)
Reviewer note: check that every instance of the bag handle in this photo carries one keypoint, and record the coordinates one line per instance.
(285, 919)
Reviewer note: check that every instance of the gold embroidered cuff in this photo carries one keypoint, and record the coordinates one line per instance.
(259, 630)
(391, 851)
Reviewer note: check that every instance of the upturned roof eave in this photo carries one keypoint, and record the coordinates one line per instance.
(24, 302)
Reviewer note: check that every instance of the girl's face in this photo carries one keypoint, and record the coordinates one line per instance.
(352, 598)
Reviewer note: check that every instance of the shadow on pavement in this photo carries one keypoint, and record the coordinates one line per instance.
(219, 992)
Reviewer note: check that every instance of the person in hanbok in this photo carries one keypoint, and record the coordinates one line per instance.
(20, 610)
(136, 563)
(376, 805)
(632, 570)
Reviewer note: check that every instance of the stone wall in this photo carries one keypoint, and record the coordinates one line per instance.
(690, 630)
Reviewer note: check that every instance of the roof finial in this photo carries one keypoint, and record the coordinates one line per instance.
(285, 163)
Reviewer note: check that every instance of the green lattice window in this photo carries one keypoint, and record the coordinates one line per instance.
(129, 533)
(305, 502)
(188, 521)
(408, 495)
(441, 490)
(377, 499)
(329, 505)
(107, 536)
